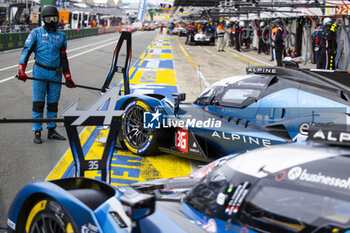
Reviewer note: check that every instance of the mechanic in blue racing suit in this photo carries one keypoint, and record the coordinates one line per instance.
(49, 46)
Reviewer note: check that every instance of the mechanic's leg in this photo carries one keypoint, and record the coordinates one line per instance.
(321, 63)
(220, 41)
(272, 52)
(53, 96)
(39, 93)
(279, 57)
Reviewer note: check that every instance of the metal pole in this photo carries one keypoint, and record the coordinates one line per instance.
(61, 83)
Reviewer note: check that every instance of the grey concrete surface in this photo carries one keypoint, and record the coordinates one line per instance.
(212, 64)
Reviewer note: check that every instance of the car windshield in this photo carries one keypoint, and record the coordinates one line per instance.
(294, 209)
(237, 96)
(219, 193)
(268, 205)
(208, 95)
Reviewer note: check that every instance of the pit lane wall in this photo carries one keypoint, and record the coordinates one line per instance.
(16, 40)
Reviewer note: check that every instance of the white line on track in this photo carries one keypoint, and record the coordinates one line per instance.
(201, 76)
(75, 55)
(209, 51)
(31, 61)
(250, 57)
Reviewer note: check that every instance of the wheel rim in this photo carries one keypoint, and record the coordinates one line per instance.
(134, 132)
(46, 223)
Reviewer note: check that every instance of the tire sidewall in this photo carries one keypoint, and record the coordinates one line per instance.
(151, 140)
(50, 207)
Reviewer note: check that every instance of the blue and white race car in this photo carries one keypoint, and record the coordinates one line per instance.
(267, 106)
(285, 188)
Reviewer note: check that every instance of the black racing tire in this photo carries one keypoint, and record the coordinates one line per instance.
(136, 138)
(48, 215)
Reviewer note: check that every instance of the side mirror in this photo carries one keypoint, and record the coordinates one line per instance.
(138, 205)
(178, 97)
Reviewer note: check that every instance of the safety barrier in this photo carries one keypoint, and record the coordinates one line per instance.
(12, 40)
(16, 40)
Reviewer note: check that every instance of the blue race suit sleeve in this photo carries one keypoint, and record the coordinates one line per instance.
(29, 47)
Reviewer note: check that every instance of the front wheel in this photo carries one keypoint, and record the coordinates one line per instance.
(137, 139)
(47, 215)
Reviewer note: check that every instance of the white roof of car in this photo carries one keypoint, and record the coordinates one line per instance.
(268, 160)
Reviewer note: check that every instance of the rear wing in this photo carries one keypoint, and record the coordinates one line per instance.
(329, 78)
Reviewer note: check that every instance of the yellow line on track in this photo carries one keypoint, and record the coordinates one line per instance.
(195, 66)
(245, 59)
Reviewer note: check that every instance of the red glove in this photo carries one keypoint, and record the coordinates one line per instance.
(69, 81)
(21, 72)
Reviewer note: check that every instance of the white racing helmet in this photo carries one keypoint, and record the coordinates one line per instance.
(327, 21)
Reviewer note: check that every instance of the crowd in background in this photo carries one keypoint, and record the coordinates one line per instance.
(263, 37)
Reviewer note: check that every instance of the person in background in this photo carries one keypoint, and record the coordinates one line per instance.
(220, 32)
(262, 47)
(232, 35)
(161, 28)
(226, 36)
(171, 28)
(199, 27)
(191, 31)
(278, 43)
(272, 38)
(238, 32)
(327, 45)
(49, 46)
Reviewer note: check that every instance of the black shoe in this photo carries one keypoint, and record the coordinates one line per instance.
(37, 137)
(52, 134)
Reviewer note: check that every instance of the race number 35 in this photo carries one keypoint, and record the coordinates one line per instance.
(182, 140)
(93, 165)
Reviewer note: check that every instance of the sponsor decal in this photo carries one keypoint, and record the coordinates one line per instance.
(298, 173)
(194, 148)
(237, 198)
(304, 128)
(45, 36)
(294, 173)
(154, 120)
(281, 175)
(11, 224)
(182, 140)
(244, 139)
(55, 207)
(261, 70)
(146, 146)
(332, 136)
(243, 83)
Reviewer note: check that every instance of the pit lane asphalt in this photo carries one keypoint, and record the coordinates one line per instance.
(21, 161)
(202, 65)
